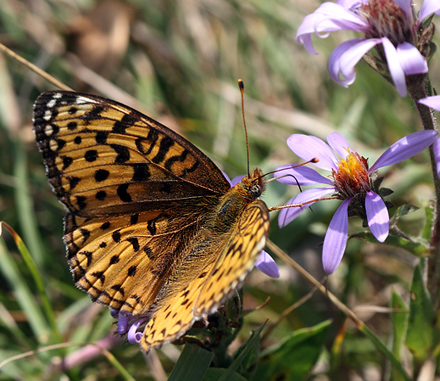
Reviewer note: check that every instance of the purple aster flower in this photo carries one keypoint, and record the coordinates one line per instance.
(401, 42)
(351, 180)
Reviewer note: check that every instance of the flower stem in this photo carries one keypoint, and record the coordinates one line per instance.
(418, 90)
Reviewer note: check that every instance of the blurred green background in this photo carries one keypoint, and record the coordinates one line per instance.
(179, 61)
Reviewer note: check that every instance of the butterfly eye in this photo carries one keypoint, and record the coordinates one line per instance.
(255, 190)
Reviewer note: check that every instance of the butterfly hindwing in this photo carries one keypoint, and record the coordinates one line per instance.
(215, 275)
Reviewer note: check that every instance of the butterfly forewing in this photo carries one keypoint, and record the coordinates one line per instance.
(144, 232)
(103, 155)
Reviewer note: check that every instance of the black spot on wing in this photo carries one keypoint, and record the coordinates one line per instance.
(123, 194)
(165, 144)
(101, 175)
(123, 153)
(121, 125)
(141, 172)
(101, 137)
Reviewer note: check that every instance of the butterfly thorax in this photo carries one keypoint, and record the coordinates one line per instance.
(238, 198)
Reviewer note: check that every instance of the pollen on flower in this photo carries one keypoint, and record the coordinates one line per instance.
(351, 177)
(387, 19)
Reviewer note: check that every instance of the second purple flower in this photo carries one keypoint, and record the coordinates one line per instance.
(351, 180)
(402, 43)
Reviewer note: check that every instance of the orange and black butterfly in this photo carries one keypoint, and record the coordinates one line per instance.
(154, 229)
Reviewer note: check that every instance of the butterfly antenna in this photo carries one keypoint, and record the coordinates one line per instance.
(241, 86)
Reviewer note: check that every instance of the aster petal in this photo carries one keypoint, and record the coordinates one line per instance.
(287, 215)
(133, 336)
(433, 102)
(428, 8)
(405, 148)
(227, 178)
(344, 58)
(436, 149)
(122, 325)
(339, 144)
(114, 314)
(405, 5)
(335, 240)
(377, 216)
(351, 4)
(294, 175)
(411, 60)
(329, 17)
(308, 147)
(394, 66)
(236, 180)
(267, 265)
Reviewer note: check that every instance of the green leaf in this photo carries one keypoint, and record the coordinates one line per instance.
(192, 364)
(427, 229)
(215, 374)
(294, 357)
(245, 355)
(416, 247)
(404, 210)
(420, 323)
(399, 319)
(385, 351)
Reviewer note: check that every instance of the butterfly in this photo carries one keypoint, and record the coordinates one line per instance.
(153, 228)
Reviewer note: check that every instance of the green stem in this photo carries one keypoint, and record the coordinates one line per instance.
(417, 89)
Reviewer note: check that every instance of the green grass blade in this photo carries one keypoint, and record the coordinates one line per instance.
(192, 364)
(36, 276)
(24, 204)
(24, 295)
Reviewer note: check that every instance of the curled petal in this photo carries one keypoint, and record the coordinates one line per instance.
(411, 60)
(133, 336)
(287, 215)
(345, 57)
(308, 147)
(433, 102)
(329, 17)
(428, 8)
(377, 216)
(405, 148)
(335, 240)
(294, 175)
(267, 265)
(394, 66)
(339, 144)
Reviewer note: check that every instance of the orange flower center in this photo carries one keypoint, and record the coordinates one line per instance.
(352, 177)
